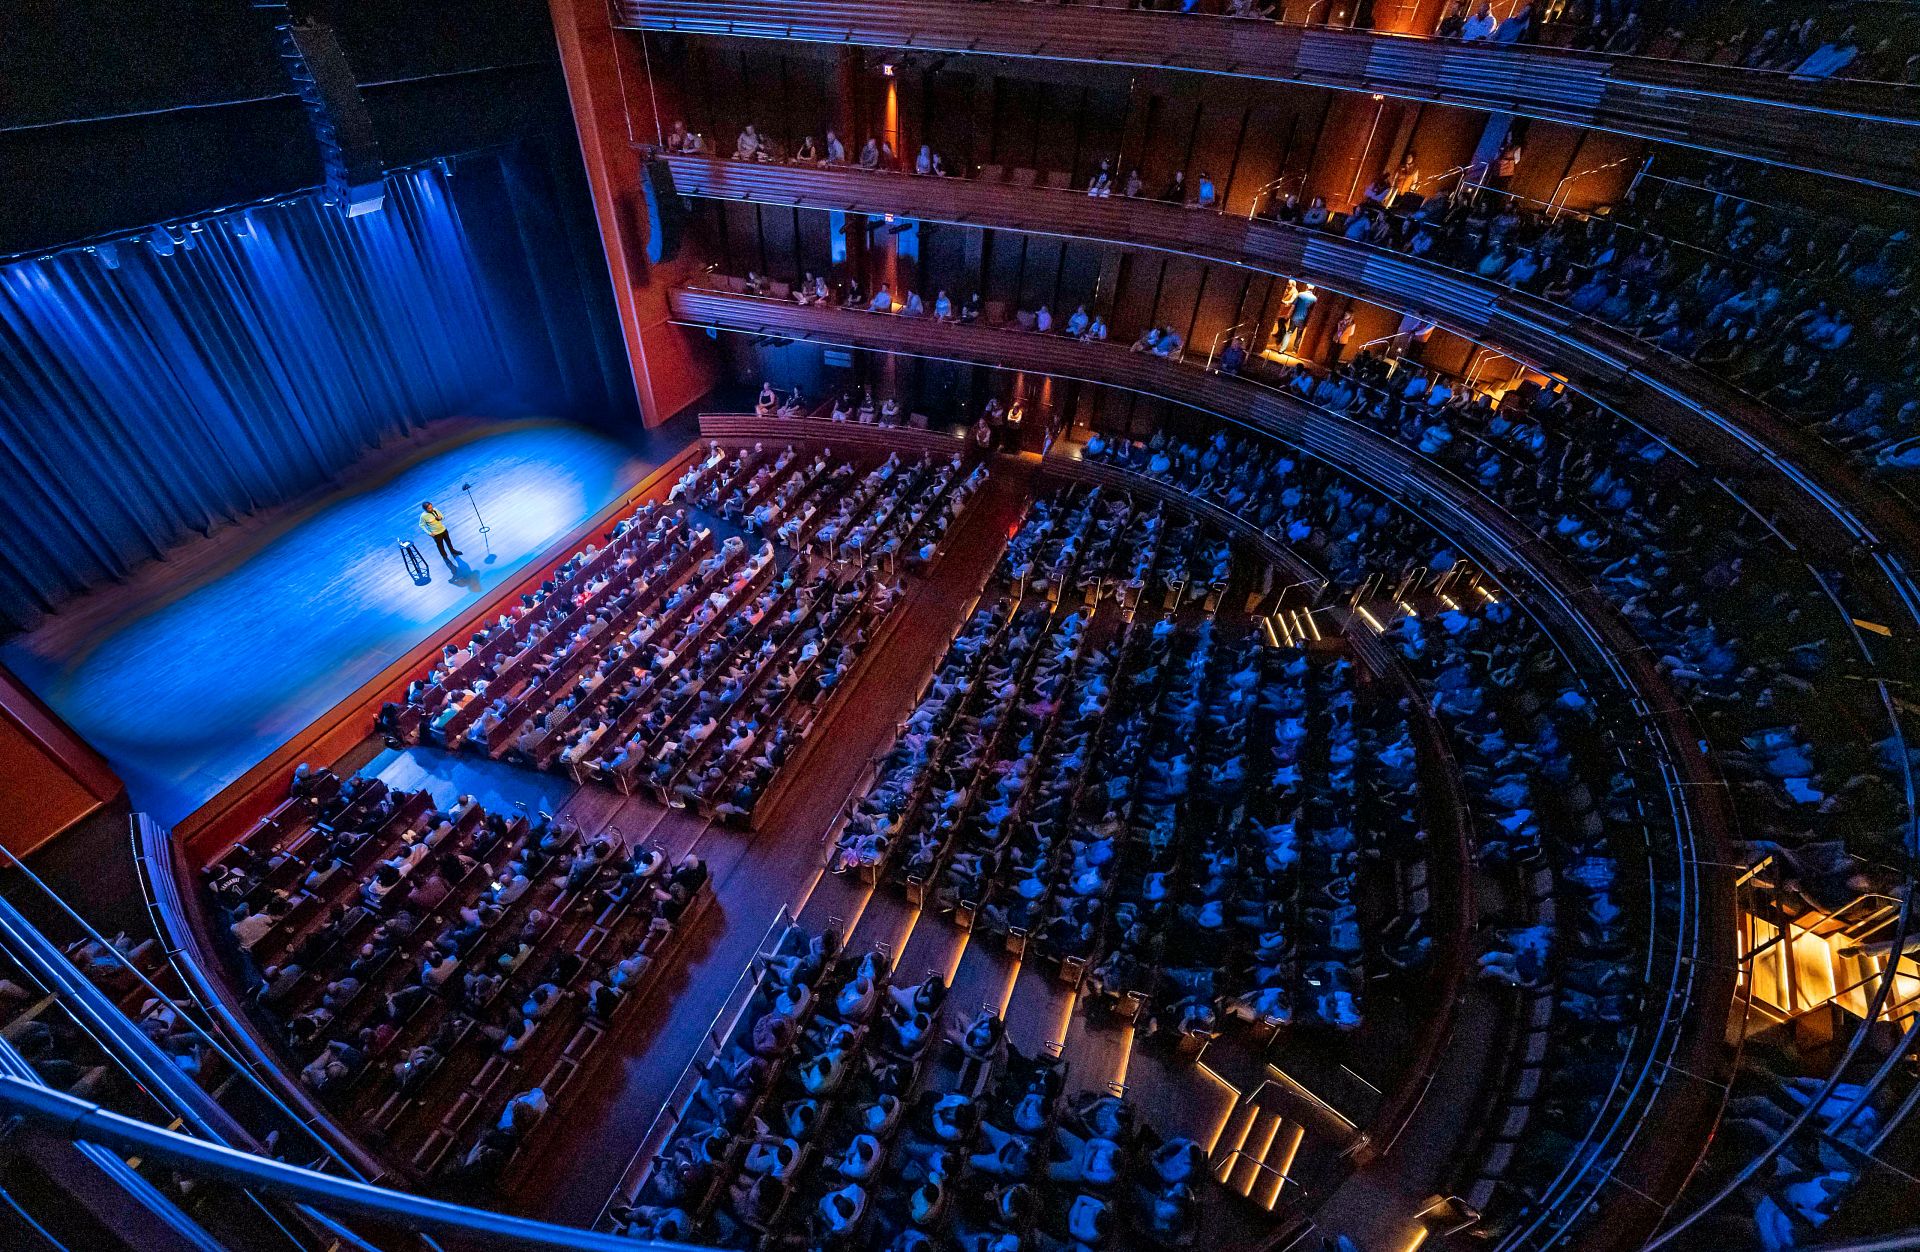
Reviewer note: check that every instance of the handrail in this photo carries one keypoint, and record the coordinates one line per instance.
(219, 1122)
(38, 956)
(158, 858)
(1552, 24)
(128, 1045)
(739, 996)
(1905, 1241)
(177, 1226)
(1902, 928)
(85, 1122)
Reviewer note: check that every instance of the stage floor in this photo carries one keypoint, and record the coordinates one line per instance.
(207, 662)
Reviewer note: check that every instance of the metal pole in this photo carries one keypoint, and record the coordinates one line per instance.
(82, 1121)
(181, 1231)
(485, 530)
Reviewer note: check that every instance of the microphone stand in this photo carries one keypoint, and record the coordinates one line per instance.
(485, 530)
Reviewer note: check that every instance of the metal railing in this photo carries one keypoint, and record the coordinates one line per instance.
(81, 1121)
(712, 1044)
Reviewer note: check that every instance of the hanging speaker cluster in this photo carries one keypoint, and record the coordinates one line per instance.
(337, 113)
(666, 211)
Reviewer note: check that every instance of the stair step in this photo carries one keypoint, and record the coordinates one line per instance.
(1233, 1137)
(1246, 1172)
(1279, 1159)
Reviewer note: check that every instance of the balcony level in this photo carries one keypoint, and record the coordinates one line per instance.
(1865, 132)
(1755, 451)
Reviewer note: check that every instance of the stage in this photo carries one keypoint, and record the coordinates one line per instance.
(203, 664)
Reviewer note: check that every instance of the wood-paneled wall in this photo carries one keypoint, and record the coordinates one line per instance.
(50, 778)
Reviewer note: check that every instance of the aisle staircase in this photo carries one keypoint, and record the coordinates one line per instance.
(1796, 960)
(1255, 1151)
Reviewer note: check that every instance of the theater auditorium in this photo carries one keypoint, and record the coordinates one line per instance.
(959, 625)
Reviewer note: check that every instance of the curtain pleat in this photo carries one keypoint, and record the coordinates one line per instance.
(154, 398)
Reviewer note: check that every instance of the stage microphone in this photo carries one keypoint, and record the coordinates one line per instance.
(486, 531)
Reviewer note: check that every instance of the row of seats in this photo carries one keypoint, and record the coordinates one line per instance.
(1810, 47)
(842, 1114)
(1568, 936)
(1555, 814)
(428, 968)
(1795, 313)
(1092, 793)
(1245, 894)
(959, 764)
(659, 664)
(1743, 636)
(1545, 850)
(1683, 566)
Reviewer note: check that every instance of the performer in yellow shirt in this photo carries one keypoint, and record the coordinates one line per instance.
(435, 525)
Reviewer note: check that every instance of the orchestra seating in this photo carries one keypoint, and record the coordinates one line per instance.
(423, 969)
(1131, 797)
(848, 1109)
(689, 667)
(1366, 703)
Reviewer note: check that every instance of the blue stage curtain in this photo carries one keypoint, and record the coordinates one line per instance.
(150, 392)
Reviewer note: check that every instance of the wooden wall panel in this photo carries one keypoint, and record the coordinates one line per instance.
(606, 81)
(50, 778)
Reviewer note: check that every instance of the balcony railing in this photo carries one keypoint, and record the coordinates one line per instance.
(1675, 1054)
(1816, 491)
(1866, 132)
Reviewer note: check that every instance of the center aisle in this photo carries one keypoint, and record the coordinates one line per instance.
(756, 875)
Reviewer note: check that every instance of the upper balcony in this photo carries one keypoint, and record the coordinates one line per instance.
(1867, 132)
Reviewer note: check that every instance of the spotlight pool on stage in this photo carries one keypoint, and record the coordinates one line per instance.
(187, 689)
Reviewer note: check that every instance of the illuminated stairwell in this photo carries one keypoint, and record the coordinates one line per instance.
(1255, 1151)
(1796, 960)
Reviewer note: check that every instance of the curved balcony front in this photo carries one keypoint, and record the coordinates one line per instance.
(1700, 994)
(1813, 490)
(1862, 131)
